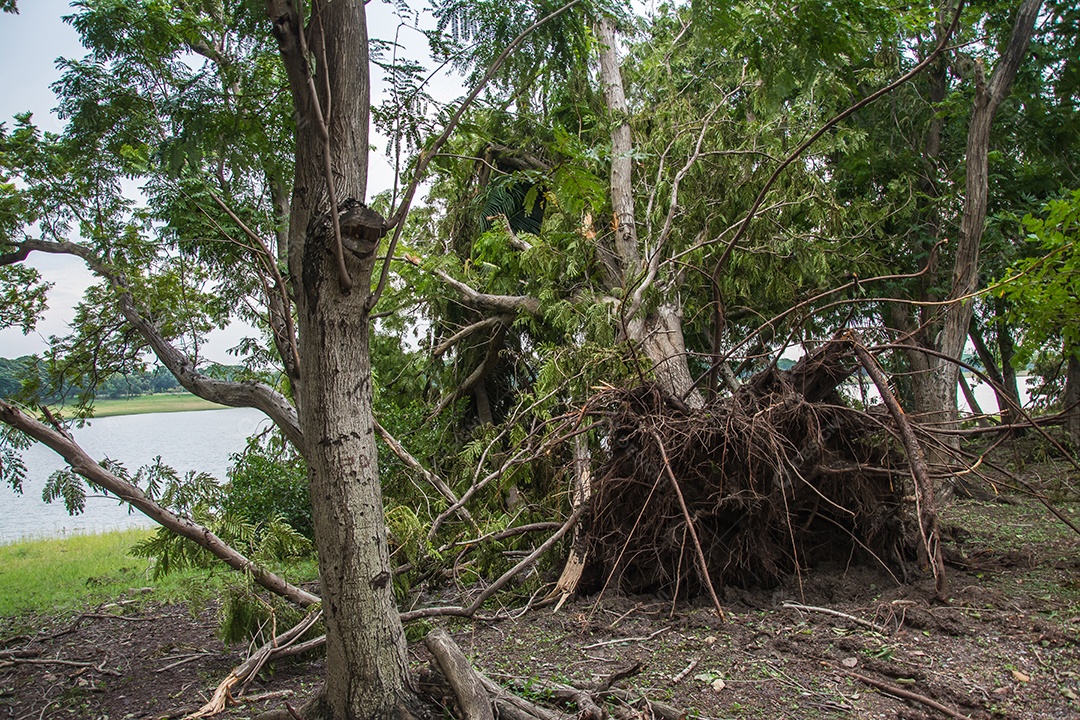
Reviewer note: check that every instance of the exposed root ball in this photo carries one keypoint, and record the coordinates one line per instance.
(779, 476)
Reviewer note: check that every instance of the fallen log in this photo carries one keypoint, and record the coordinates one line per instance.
(469, 689)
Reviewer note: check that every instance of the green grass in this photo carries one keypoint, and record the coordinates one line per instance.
(65, 575)
(160, 403)
(60, 575)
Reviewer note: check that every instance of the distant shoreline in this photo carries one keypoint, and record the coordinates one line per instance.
(158, 403)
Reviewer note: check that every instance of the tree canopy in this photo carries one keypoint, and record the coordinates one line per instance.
(674, 198)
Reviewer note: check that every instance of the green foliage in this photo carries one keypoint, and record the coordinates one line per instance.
(269, 539)
(66, 485)
(1044, 289)
(12, 467)
(268, 483)
(248, 616)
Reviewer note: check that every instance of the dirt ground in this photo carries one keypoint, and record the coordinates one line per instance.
(1006, 644)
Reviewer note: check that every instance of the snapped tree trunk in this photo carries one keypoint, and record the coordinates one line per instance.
(367, 670)
(658, 333)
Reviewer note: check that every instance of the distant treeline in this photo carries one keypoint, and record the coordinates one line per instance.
(14, 371)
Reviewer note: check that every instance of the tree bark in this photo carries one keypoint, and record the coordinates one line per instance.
(367, 669)
(1006, 351)
(1071, 399)
(988, 97)
(659, 333)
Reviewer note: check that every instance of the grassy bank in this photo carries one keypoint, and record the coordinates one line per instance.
(59, 575)
(64, 576)
(160, 403)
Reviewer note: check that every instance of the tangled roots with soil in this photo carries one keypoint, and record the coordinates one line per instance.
(778, 477)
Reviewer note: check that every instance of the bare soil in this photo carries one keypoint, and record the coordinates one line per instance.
(1006, 644)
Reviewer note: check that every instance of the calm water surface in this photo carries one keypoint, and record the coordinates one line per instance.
(202, 441)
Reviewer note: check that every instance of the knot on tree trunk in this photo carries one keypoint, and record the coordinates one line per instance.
(361, 228)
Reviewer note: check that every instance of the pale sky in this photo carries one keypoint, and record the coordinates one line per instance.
(30, 43)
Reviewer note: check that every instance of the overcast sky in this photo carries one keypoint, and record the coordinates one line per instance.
(30, 43)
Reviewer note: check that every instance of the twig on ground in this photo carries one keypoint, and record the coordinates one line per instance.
(837, 613)
(678, 677)
(57, 661)
(908, 695)
(183, 661)
(273, 695)
(618, 676)
(626, 639)
(110, 616)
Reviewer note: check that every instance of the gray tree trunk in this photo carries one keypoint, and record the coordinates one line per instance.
(1071, 401)
(658, 333)
(367, 670)
(988, 97)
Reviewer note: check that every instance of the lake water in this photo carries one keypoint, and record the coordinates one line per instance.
(202, 441)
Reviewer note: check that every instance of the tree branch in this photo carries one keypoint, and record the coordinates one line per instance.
(233, 394)
(505, 304)
(86, 466)
(924, 488)
(485, 324)
(411, 462)
(477, 376)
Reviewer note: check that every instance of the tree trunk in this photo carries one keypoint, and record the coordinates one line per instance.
(659, 333)
(660, 336)
(1005, 390)
(367, 669)
(988, 97)
(1071, 401)
(1006, 350)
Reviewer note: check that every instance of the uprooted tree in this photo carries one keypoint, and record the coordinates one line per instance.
(648, 264)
